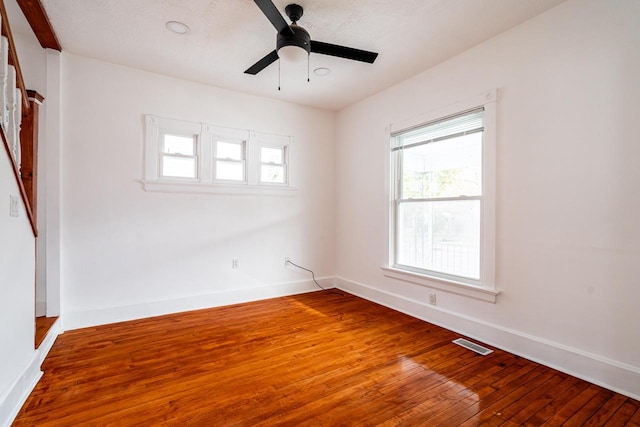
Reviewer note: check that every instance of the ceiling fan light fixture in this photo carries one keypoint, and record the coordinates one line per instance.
(294, 47)
(292, 53)
(178, 27)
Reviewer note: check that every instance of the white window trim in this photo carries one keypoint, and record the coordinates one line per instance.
(196, 154)
(156, 128)
(213, 134)
(204, 182)
(485, 288)
(273, 141)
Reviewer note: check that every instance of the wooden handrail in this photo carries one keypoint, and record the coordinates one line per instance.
(26, 110)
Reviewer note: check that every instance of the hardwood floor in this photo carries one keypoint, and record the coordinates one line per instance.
(315, 359)
(43, 325)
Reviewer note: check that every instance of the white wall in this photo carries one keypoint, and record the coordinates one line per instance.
(128, 253)
(17, 275)
(567, 182)
(19, 361)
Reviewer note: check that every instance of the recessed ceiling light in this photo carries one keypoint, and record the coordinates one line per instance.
(322, 71)
(177, 27)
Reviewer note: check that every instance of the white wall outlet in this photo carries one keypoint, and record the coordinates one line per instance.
(235, 263)
(13, 205)
(432, 299)
(286, 261)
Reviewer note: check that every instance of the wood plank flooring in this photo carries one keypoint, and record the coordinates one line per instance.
(43, 325)
(318, 359)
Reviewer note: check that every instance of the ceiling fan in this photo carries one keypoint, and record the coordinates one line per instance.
(295, 36)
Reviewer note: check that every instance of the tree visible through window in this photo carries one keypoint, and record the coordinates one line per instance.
(438, 196)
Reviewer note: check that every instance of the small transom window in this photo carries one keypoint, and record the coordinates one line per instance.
(179, 156)
(273, 165)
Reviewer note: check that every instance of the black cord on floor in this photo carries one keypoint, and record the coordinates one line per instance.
(333, 291)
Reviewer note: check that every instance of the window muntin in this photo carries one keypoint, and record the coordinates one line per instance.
(273, 165)
(230, 160)
(178, 157)
(438, 200)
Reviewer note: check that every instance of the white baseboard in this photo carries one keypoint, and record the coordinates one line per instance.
(103, 316)
(607, 373)
(49, 340)
(19, 391)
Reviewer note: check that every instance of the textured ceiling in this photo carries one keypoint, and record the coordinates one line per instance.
(228, 36)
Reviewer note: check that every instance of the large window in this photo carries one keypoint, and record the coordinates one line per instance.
(441, 219)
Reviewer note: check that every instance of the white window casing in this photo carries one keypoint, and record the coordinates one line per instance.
(178, 156)
(215, 135)
(272, 154)
(458, 120)
(156, 129)
(227, 160)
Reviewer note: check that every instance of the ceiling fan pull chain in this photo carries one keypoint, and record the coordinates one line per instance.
(308, 67)
(278, 75)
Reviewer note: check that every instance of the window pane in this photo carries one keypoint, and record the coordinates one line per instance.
(448, 168)
(183, 167)
(233, 171)
(176, 144)
(273, 174)
(468, 122)
(440, 236)
(271, 155)
(229, 150)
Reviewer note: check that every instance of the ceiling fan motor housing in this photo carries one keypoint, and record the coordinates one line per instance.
(301, 38)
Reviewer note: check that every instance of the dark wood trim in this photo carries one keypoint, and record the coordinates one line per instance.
(40, 24)
(35, 96)
(29, 150)
(26, 112)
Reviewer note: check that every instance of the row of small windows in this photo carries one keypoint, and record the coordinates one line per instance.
(189, 152)
(179, 159)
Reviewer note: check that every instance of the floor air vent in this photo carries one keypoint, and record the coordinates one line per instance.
(473, 346)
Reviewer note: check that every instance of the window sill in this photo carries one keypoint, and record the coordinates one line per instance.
(482, 294)
(210, 188)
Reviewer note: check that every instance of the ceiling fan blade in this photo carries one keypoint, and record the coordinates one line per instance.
(271, 12)
(263, 63)
(343, 51)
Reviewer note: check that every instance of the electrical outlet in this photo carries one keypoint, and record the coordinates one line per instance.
(234, 263)
(432, 299)
(286, 261)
